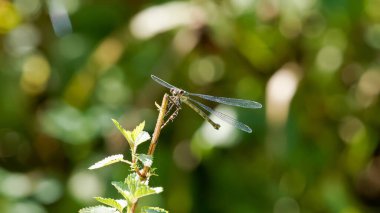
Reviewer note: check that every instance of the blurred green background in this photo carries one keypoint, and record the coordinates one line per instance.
(67, 67)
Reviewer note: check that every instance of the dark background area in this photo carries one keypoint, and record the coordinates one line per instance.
(68, 67)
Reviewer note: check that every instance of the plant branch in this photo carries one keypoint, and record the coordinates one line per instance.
(156, 133)
(133, 208)
(153, 143)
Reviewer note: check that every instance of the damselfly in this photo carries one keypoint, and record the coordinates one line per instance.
(179, 96)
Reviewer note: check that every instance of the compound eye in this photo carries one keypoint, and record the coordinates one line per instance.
(181, 92)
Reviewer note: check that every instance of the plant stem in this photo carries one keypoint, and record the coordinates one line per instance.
(156, 133)
(153, 142)
(133, 208)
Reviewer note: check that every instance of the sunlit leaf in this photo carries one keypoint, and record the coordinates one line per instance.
(118, 204)
(147, 209)
(136, 132)
(139, 189)
(107, 161)
(127, 134)
(142, 137)
(123, 189)
(99, 209)
(147, 160)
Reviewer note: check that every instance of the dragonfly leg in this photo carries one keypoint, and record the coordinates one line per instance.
(172, 116)
(173, 101)
(170, 107)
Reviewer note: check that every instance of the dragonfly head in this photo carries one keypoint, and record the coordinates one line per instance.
(177, 92)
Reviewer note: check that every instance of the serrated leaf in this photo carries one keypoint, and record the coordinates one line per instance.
(136, 132)
(138, 189)
(98, 209)
(118, 204)
(127, 134)
(152, 171)
(133, 189)
(142, 137)
(147, 209)
(146, 160)
(123, 189)
(107, 161)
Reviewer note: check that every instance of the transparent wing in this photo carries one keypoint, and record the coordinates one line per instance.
(162, 82)
(224, 117)
(229, 101)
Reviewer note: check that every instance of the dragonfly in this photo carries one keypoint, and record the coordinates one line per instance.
(179, 96)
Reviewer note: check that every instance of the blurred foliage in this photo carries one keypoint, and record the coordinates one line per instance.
(67, 67)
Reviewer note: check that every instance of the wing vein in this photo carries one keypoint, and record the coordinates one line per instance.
(229, 101)
(223, 117)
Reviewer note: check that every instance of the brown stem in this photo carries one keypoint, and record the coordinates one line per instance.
(156, 133)
(153, 142)
(133, 208)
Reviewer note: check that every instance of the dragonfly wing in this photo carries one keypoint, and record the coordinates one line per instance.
(224, 117)
(229, 101)
(162, 82)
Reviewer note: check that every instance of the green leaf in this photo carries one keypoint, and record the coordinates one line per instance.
(146, 160)
(145, 191)
(136, 132)
(142, 137)
(133, 189)
(99, 209)
(152, 171)
(139, 189)
(147, 209)
(127, 134)
(107, 161)
(118, 204)
(123, 189)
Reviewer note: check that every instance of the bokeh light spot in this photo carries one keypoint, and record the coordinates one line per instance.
(286, 205)
(281, 88)
(241, 6)
(35, 74)
(349, 127)
(329, 58)
(111, 90)
(16, 186)
(158, 19)
(336, 38)
(48, 191)
(206, 70)
(22, 40)
(369, 82)
(368, 87)
(69, 124)
(9, 17)
(27, 206)
(107, 53)
(290, 26)
(85, 185)
(28, 8)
